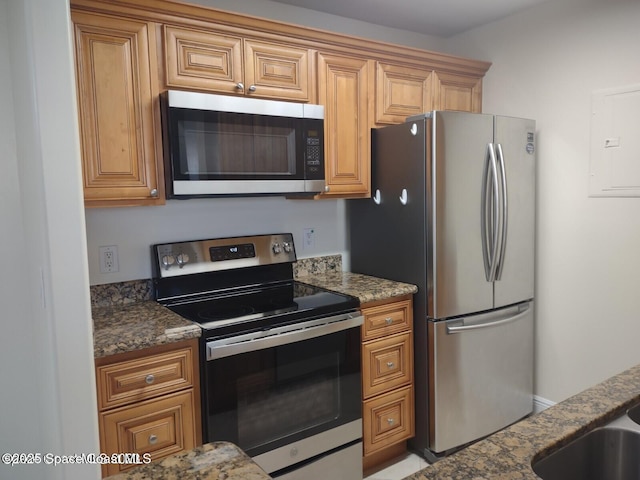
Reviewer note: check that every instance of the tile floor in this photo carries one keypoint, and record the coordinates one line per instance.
(399, 468)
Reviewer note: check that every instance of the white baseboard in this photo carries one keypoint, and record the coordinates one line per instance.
(540, 404)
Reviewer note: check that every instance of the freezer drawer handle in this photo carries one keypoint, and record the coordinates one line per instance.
(465, 328)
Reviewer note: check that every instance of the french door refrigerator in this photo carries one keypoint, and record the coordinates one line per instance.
(453, 213)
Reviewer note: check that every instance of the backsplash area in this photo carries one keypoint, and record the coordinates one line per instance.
(125, 293)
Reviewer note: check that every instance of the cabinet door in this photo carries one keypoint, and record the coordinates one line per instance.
(387, 364)
(343, 84)
(121, 153)
(388, 419)
(401, 92)
(159, 427)
(458, 92)
(203, 60)
(276, 71)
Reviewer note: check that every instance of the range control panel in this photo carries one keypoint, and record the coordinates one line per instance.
(199, 256)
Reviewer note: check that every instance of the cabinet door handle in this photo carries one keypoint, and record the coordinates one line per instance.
(153, 439)
(154, 193)
(390, 421)
(390, 364)
(252, 88)
(240, 86)
(149, 379)
(388, 320)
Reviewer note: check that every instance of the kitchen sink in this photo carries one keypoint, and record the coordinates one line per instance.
(611, 452)
(634, 414)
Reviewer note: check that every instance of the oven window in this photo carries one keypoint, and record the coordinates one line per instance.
(211, 144)
(287, 397)
(268, 398)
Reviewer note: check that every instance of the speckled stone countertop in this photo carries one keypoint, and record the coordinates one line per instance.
(364, 287)
(218, 460)
(123, 328)
(509, 453)
(126, 318)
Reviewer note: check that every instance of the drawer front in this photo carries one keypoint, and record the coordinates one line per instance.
(135, 380)
(387, 364)
(388, 419)
(158, 427)
(387, 319)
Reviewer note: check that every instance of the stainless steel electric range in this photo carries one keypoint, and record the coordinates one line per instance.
(280, 359)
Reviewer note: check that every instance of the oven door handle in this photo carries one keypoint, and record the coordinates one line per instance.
(274, 337)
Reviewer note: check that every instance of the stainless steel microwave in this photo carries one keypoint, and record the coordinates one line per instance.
(225, 145)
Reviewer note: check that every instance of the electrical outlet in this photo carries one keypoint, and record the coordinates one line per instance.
(308, 238)
(109, 259)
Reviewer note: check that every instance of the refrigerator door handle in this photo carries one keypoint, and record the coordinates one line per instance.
(453, 329)
(504, 217)
(377, 199)
(489, 207)
(403, 197)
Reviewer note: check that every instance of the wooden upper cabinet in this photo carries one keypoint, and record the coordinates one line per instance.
(458, 92)
(117, 92)
(401, 91)
(343, 90)
(225, 63)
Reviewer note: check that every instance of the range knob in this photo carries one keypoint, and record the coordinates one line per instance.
(167, 261)
(276, 248)
(287, 247)
(182, 259)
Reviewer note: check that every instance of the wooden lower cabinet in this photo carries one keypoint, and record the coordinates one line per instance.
(159, 427)
(149, 402)
(387, 379)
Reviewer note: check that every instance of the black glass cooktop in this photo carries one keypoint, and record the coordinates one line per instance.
(261, 308)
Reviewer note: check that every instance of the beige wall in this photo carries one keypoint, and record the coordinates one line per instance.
(546, 63)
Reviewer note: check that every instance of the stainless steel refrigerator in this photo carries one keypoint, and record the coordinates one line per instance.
(453, 212)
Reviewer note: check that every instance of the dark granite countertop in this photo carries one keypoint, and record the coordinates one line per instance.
(218, 460)
(366, 288)
(508, 454)
(123, 328)
(125, 318)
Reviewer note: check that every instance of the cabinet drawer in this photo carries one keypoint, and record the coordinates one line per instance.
(388, 419)
(387, 319)
(134, 380)
(386, 364)
(158, 427)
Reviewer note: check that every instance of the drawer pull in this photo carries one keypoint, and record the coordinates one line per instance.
(390, 364)
(149, 379)
(390, 421)
(388, 320)
(153, 439)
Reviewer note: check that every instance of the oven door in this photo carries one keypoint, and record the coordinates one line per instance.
(287, 395)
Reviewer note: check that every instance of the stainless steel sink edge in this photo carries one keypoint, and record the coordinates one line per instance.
(607, 451)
